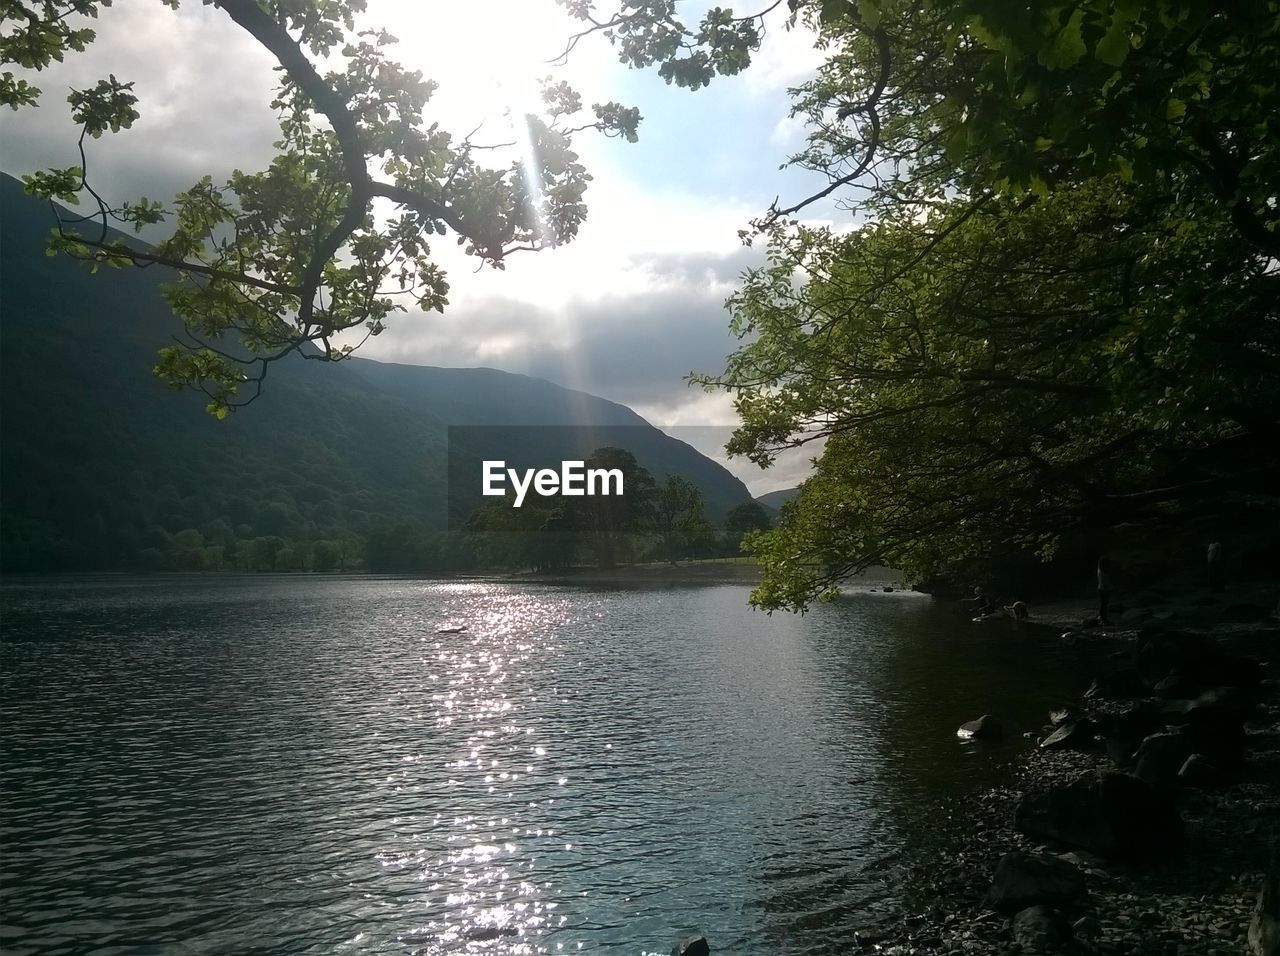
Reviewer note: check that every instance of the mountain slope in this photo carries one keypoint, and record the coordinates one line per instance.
(774, 500)
(101, 466)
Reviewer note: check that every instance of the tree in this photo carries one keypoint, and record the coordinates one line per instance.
(609, 520)
(978, 95)
(679, 521)
(536, 537)
(741, 521)
(1058, 308)
(1057, 366)
(285, 260)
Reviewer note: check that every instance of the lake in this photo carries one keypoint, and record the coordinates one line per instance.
(301, 764)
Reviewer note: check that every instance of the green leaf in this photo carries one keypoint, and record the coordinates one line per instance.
(1066, 47)
(1175, 109)
(1113, 46)
(833, 10)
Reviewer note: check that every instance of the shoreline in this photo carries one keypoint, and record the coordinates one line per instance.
(1199, 899)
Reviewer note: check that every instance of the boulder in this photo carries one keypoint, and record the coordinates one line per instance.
(1124, 731)
(693, 946)
(1116, 683)
(1070, 736)
(1041, 929)
(1214, 724)
(1194, 659)
(1232, 670)
(1086, 862)
(1160, 756)
(1175, 684)
(1114, 815)
(1087, 927)
(1063, 715)
(1245, 613)
(1264, 925)
(1199, 771)
(1161, 652)
(985, 727)
(1025, 879)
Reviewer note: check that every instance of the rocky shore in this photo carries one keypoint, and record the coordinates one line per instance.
(1142, 817)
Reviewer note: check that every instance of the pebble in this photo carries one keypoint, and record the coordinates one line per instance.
(1198, 905)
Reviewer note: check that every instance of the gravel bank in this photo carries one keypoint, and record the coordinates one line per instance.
(1196, 902)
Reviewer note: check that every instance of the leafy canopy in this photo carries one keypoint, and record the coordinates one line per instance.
(1057, 307)
(286, 259)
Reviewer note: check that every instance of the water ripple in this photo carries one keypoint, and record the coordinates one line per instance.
(303, 765)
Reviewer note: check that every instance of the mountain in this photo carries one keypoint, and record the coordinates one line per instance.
(102, 466)
(774, 500)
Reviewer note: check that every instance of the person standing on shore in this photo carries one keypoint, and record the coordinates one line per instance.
(1216, 582)
(1104, 588)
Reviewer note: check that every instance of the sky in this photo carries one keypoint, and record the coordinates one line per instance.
(626, 311)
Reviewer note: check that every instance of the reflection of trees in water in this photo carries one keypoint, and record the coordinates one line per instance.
(902, 673)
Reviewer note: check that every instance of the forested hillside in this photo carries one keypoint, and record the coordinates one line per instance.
(102, 466)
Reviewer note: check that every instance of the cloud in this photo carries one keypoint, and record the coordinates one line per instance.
(203, 88)
(626, 311)
(787, 58)
(634, 346)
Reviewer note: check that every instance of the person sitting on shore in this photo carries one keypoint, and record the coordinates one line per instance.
(983, 603)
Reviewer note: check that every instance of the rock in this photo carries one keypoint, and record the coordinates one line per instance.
(693, 946)
(868, 936)
(1087, 927)
(1111, 814)
(1264, 926)
(1176, 685)
(1228, 700)
(985, 727)
(887, 590)
(1245, 613)
(1124, 731)
(1160, 756)
(1214, 724)
(1117, 683)
(1086, 862)
(1071, 736)
(1041, 929)
(1061, 715)
(1193, 658)
(1162, 652)
(1232, 670)
(481, 934)
(1025, 879)
(1199, 771)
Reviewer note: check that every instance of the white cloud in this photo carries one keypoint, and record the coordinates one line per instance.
(787, 57)
(627, 310)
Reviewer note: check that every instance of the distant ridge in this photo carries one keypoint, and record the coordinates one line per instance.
(774, 500)
(101, 464)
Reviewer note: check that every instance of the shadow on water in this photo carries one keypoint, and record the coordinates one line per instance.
(904, 672)
(303, 765)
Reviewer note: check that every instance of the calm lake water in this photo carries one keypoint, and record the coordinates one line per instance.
(303, 765)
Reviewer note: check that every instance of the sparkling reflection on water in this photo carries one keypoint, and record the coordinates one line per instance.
(303, 765)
